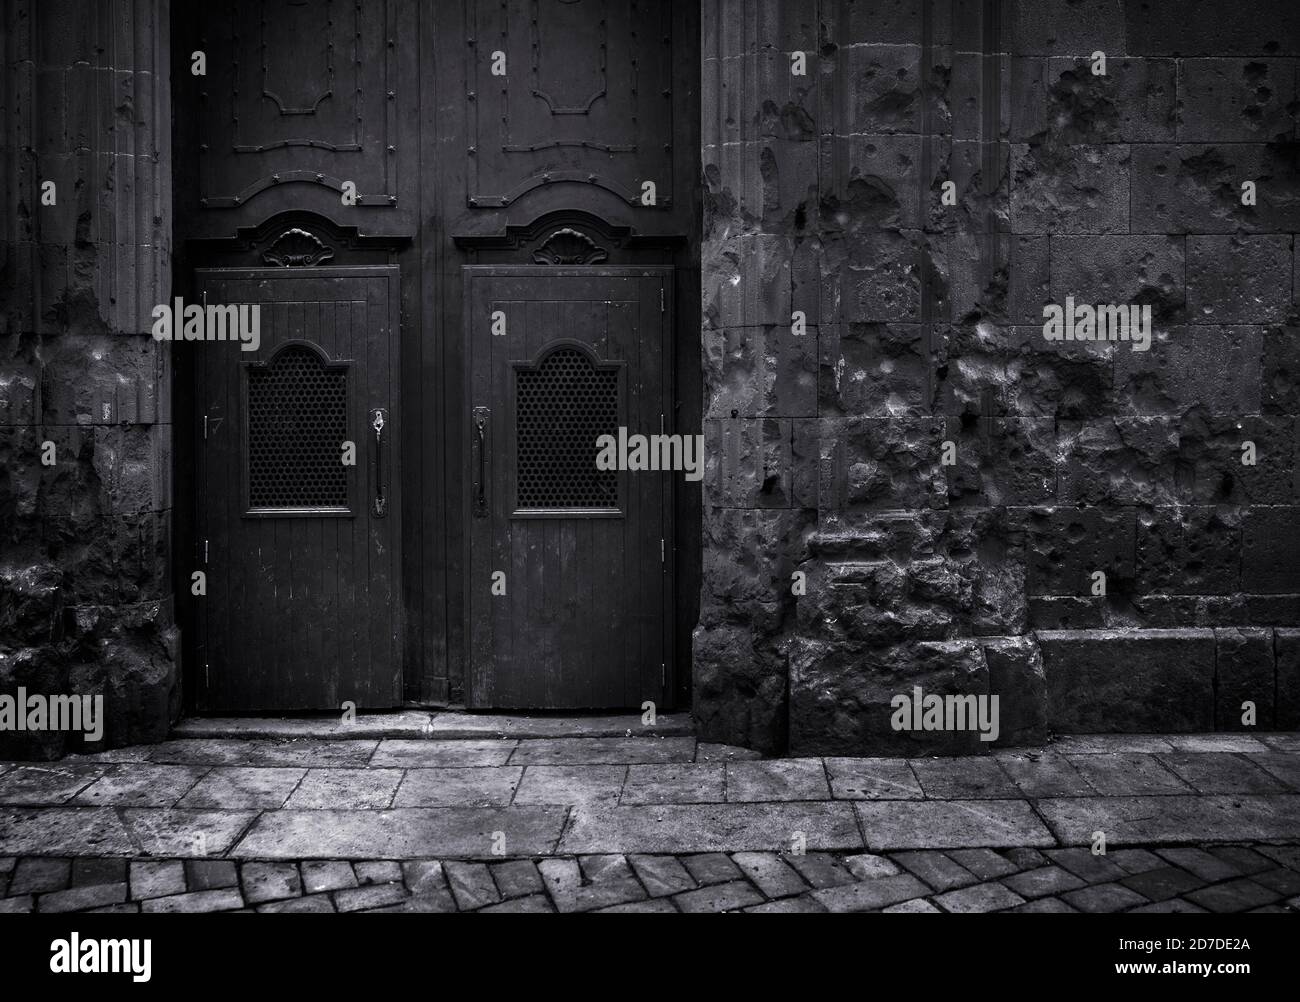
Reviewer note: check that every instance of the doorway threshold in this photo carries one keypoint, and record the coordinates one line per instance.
(436, 725)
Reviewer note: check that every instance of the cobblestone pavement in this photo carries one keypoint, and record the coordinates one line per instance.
(1261, 878)
(1191, 822)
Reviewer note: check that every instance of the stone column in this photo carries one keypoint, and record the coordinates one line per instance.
(85, 426)
(843, 561)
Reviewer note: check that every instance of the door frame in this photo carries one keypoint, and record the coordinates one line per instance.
(666, 275)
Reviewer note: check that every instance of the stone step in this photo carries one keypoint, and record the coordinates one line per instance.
(436, 725)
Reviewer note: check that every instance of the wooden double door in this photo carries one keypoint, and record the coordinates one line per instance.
(567, 581)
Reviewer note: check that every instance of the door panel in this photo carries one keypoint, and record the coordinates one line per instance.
(300, 550)
(583, 618)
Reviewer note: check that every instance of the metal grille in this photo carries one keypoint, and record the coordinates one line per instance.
(561, 408)
(297, 423)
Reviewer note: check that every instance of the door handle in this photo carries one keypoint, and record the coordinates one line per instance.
(481, 415)
(379, 421)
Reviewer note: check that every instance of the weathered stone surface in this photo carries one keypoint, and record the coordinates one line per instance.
(1287, 647)
(710, 827)
(1017, 678)
(1245, 672)
(1238, 278)
(841, 696)
(1142, 680)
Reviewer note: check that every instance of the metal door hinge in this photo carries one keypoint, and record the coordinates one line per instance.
(205, 427)
(663, 674)
(205, 552)
(662, 558)
(661, 299)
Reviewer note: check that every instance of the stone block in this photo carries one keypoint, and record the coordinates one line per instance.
(840, 696)
(1197, 188)
(1202, 27)
(1134, 681)
(1065, 546)
(1287, 650)
(1245, 670)
(1188, 551)
(1238, 279)
(1236, 100)
(1069, 189)
(1017, 678)
(1063, 27)
(1214, 368)
(759, 372)
(1270, 562)
(1117, 269)
(875, 463)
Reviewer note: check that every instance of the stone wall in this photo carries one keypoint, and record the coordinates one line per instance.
(85, 586)
(824, 202)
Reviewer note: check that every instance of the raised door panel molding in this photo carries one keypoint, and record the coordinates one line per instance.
(586, 97)
(298, 92)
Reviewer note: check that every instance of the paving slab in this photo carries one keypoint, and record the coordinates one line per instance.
(314, 754)
(517, 878)
(35, 875)
(1223, 743)
(872, 779)
(1043, 881)
(82, 898)
(584, 885)
(402, 833)
(471, 884)
(958, 824)
(471, 786)
(708, 751)
(428, 754)
(770, 874)
(603, 751)
(1173, 819)
(1221, 772)
(870, 895)
(820, 869)
(711, 868)
(571, 784)
(63, 831)
(711, 827)
(963, 778)
(264, 882)
(141, 785)
(345, 789)
(1127, 775)
(46, 784)
(327, 875)
(172, 831)
(1284, 766)
(728, 897)
(156, 878)
(236, 787)
(988, 897)
(675, 783)
(662, 875)
(937, 869)
(776, 780)
(1044, 774)
(196, 901)
(1109, 744)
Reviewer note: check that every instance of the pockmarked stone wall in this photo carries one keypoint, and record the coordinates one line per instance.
(86, 602)
(909, 484)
